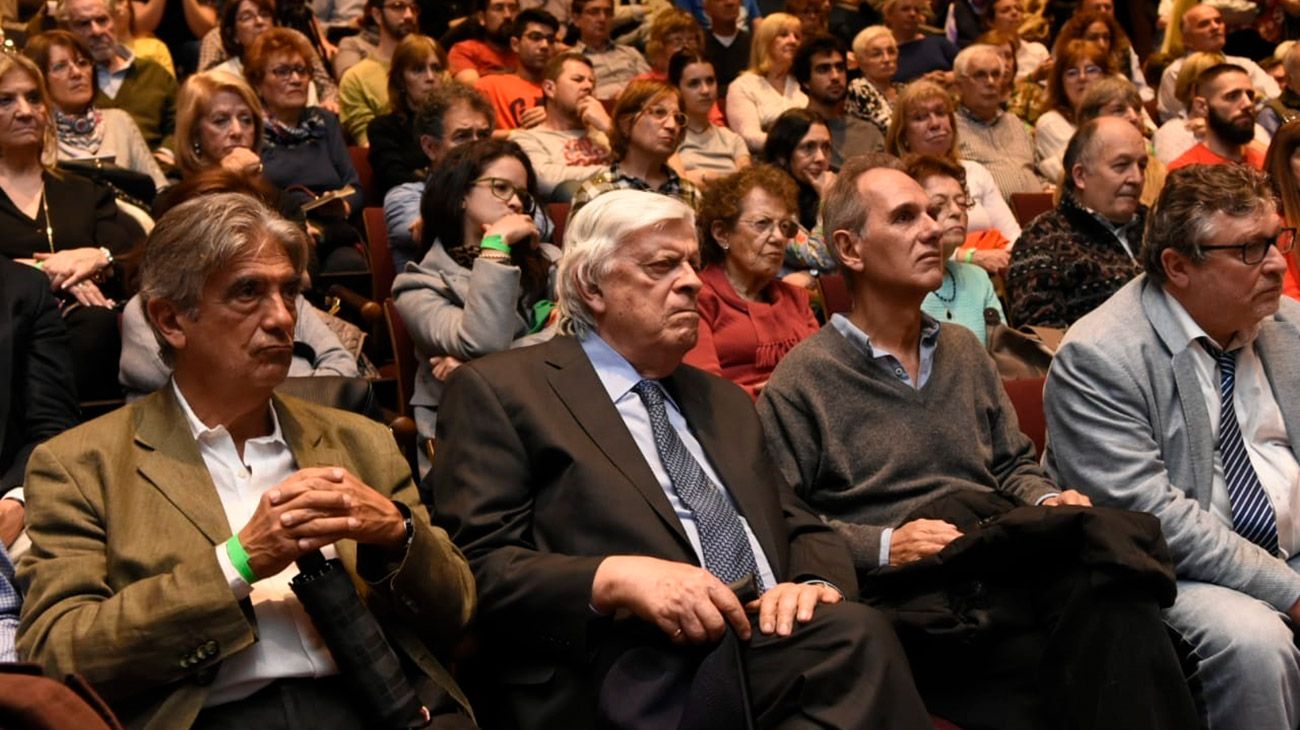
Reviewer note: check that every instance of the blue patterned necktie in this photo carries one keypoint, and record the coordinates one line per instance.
(1252, 513)
(727, 554)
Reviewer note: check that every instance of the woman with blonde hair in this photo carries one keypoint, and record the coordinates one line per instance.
(767, 88)
(417, 70)
(871, 97)
(60, 223)
(218, 124)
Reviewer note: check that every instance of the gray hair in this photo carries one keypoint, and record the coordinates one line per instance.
(843, 208)
(1180, 219)
(61, 10)
(594, 235)
(961, 64)
(867, 35)
(200, 237)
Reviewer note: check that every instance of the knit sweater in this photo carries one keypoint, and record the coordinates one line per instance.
(865, 450)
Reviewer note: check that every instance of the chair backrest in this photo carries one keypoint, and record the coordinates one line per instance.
(1028, 206)
(378, 254)
(361, 161)
(559, 213)
(403, 356)
(835, 294)
(1027, 398)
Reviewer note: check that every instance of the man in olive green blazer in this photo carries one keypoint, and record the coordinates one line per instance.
(131, 580)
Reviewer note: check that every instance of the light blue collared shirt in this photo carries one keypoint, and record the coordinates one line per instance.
(618, 376)
(110, 82)
(886, 359)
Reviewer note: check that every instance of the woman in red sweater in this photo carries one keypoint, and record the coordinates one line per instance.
(749, 319)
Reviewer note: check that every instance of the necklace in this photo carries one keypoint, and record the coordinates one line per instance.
(948, 300)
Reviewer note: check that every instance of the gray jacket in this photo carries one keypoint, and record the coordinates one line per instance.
(1128, 425)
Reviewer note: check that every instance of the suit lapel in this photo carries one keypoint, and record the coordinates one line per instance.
(575, 383)
(1277, 347)
(173, 465)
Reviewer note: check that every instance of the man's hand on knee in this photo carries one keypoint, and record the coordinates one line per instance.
(780, 607)
(685, 601)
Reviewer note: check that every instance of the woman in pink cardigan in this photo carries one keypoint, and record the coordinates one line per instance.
(749, 318)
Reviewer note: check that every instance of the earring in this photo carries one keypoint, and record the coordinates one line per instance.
(198, 151)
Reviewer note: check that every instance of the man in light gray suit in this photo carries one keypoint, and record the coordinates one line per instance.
(1180, 396)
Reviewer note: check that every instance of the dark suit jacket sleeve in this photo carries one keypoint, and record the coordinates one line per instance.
(42, 395)
(483, 495)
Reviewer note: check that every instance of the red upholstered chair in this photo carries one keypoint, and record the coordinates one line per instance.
(1027, 397)
(559, 213)
(835, 294)
(1028, 206)
(378, 255)
(361, 161)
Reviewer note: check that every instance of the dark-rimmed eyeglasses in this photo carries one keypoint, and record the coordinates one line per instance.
(1254, 252)
(503, 190)
(284, 73)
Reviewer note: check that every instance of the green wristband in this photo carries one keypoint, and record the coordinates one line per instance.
(239, 558)
(496, 243)
(970, 255)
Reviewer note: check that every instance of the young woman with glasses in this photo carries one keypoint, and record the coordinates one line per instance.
(484, 284)
(749, 318)
(1076, 64)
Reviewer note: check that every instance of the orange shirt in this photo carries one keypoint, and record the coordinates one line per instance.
(481, 57)
(1201, 155)
(510, 96)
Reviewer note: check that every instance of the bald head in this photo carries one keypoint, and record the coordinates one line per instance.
(1203, 29)
(1105, 166)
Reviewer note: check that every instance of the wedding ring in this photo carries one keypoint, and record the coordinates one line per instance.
(677, 633)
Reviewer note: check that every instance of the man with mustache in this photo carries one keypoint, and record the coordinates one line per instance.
(571, 143)
(895, 428)
(1179, 397)
(612, 501)
(485, 48)
(1071, 259)
(819, 67)
(1204, 31)
(1226, 98)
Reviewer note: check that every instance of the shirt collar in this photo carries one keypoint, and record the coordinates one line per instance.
(854, 334)
(616, 374)
(204, 433)
(961, 109)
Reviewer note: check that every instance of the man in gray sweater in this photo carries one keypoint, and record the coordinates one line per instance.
(896, 429)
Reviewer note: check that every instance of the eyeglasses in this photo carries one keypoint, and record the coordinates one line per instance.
(249, 16)
(62, 67)
(987, 76)
(1091, 71)
(503, 190)
(1254, 252)
(763, 226)
(284, 73)
(401, 8)
(659, 114)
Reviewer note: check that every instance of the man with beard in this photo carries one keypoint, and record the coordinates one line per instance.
(363, 90)
(1070, 260)
(138, 86)
(819, 67)
(517, 97)
(1225, 97)
(485, 45)
(1204, 31)
(1178, 397)
(570, 145)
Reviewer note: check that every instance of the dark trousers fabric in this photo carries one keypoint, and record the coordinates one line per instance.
(306, 704)
(1040, 617)
(95, 339)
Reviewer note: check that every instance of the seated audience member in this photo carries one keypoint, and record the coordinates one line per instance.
(1203, 31)
(1024, 98)
(988, 134)
(1225, 98)
(1006, 16)
(871, 96)
(1285, 107)
(337, 13)
(303, 148)
(218, 125)
(133, 564)
(727, 40)
(142, 44)
(1070, 260)
(418, 71)
(62, 224)
(360, 45)
(749, 318)
(571, 144)
(82, 130)
(138, 86)
(1075, 66)
(1183, 130)
(814, 15)
(453, 115)
(747, 12)
(1283, 167)
(517, 97)
(671, 32)
(965, 292)
(486, 51)
(1114, 96)
(708, 151)
(39, 398)
(819, 67)
(1143, 413)
(918, 54)
(241, 23)
(483, 284)
(1102, 28)
(925, 124)
(363, 89)
(888, 364)
(601, 489)
(767, 88)
(614, 64)
(647, 125)
(799, 143)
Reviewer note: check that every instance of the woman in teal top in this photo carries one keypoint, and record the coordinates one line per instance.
(965, 291)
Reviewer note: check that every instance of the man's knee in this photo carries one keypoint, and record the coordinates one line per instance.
(1229, 627)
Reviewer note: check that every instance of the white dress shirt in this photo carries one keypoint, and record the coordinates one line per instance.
(288, 644)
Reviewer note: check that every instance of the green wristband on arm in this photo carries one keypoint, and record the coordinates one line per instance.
(970, 255)
(239, 558)
(496, 243)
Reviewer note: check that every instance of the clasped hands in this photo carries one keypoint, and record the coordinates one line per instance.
(692, 606)
(72, 271)
(314, 508)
